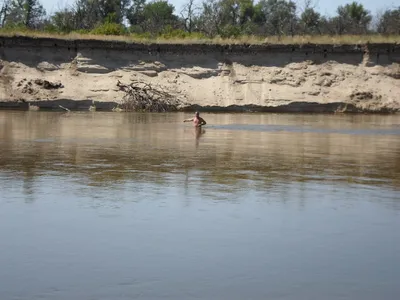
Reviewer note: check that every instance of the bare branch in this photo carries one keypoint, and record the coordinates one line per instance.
(140, 96)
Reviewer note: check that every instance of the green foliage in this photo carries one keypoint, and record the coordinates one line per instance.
(112, 11)
(142, 36)
(15, 27)
(51, 28)
(389, 22)
(277, 17)
(226, 19)
(111, 18)
(157, 15)
(27, 12)
(64, 21)
(81, 31)
(231, 31)
(170, 33)
(352, 18)
(211, 18)
(310, 21)
(159, 9)
(109, 29)
(237, 12)
(135, 12)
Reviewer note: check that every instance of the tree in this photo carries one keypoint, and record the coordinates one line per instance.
(309, 19)
(277, 17)
(135, 12)
(352, 18)
(152, 17)
(87, 14)
(5, 9)
(113, 10)
(157, 16)
(91, 13)
(389, 22)
(237, 12)
(189, 15)
(28, 13)
(64, 20)
(227, 18)
(211, 18)
(327, 25)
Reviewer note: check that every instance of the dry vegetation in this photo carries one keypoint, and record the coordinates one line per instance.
(141, 96)
(256, 40)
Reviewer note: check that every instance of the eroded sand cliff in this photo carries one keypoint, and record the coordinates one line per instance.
(312, 78)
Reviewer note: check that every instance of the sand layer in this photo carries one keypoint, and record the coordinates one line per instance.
(47, 73)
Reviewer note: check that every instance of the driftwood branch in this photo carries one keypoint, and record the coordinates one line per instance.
(64, 108)
(140, 96)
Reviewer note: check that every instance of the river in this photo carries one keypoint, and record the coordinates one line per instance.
(102, 205)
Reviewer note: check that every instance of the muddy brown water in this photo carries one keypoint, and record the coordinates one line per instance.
(141, 206)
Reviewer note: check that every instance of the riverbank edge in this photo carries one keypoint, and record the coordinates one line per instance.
(195, 48)
(369, 54)
(109, 106)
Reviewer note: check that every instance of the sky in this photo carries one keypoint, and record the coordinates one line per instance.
(326, 7)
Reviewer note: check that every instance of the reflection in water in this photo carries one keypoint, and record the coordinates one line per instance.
(112, 147)
(252, 206)
(198, 132)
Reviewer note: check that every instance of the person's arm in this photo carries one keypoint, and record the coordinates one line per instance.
(188, 120)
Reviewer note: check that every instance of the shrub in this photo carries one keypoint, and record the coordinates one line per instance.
(109, 29)
(81, 31)
(171, 33)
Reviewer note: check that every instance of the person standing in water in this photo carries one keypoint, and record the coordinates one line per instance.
(197, 120)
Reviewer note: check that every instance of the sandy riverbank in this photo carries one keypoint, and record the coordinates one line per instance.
(286, 78)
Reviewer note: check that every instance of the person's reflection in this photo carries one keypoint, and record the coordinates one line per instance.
(29, 184)
(198, 133)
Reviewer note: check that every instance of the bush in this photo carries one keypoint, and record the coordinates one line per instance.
(142, 36)
(81, 31)
(15, 27)
(109, 29)
(170, 33)
(230, 31)
(51, 29)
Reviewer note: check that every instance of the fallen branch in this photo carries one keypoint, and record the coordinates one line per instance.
(140, 96)
(64, 108)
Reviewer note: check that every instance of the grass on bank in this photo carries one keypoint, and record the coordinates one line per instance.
(181, 37)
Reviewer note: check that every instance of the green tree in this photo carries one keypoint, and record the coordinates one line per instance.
(389, 22)
(237, 12)
(276, 17)
(64, 20)
(211, 18)
(92, 13)
(236, 15)
(113, 10)
(352, 18)
(135, 14)
(310, 21)
(153, 17)
(28, 13)
(87, 14)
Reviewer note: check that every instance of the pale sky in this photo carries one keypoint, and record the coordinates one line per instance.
(326, 7)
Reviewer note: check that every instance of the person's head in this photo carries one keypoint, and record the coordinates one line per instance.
(196, 113)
